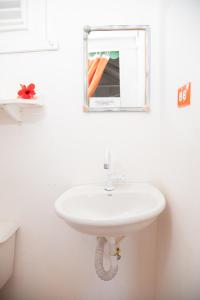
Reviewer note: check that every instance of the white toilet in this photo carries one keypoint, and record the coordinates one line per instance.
(7, 250)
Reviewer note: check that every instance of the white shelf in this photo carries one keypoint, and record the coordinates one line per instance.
(13, 107)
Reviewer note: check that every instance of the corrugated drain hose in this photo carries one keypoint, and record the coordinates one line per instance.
(99, 255)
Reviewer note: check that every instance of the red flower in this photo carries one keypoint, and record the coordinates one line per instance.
(27, 92)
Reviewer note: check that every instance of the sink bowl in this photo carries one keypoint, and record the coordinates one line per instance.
(92, 210)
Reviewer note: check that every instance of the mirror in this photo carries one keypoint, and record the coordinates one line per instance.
(116, 68)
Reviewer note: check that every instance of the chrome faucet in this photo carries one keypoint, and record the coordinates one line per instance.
(107, 166)
(110, 178)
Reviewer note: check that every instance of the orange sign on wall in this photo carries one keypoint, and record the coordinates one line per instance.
(184, 94)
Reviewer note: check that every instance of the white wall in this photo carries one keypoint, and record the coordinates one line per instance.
(63, 147)
(179, 227)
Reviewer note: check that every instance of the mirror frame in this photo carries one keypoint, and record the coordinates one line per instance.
(87, 30)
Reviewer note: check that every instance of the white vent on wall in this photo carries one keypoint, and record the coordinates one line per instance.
(33, 16)
(12, 15)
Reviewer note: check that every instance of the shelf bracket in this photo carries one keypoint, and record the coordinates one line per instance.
(14, 111)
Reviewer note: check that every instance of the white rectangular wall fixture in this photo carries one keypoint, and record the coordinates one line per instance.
(24, 27)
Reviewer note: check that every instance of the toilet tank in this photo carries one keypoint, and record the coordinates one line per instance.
(7, 250)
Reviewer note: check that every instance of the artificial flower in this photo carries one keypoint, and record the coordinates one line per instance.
(27, 92)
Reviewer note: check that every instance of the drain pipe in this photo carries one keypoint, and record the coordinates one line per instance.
(109, 274)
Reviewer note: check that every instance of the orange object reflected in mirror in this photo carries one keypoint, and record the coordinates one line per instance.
(96, 68)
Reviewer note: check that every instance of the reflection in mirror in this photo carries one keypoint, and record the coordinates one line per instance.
(116, 68)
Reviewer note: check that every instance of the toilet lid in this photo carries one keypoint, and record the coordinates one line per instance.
(7, 229)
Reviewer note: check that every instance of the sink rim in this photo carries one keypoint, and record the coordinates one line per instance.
(85, 189)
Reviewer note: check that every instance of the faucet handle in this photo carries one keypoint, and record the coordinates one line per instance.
(119, 178)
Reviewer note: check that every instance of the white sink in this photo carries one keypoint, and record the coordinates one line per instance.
(92, 210)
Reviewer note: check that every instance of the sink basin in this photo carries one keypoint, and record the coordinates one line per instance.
(92, 210)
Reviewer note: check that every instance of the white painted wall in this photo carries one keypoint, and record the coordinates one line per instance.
(62, 147)
(179, 227)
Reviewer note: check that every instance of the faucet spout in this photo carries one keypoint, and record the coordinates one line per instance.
(107, 160)
(107, 166)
